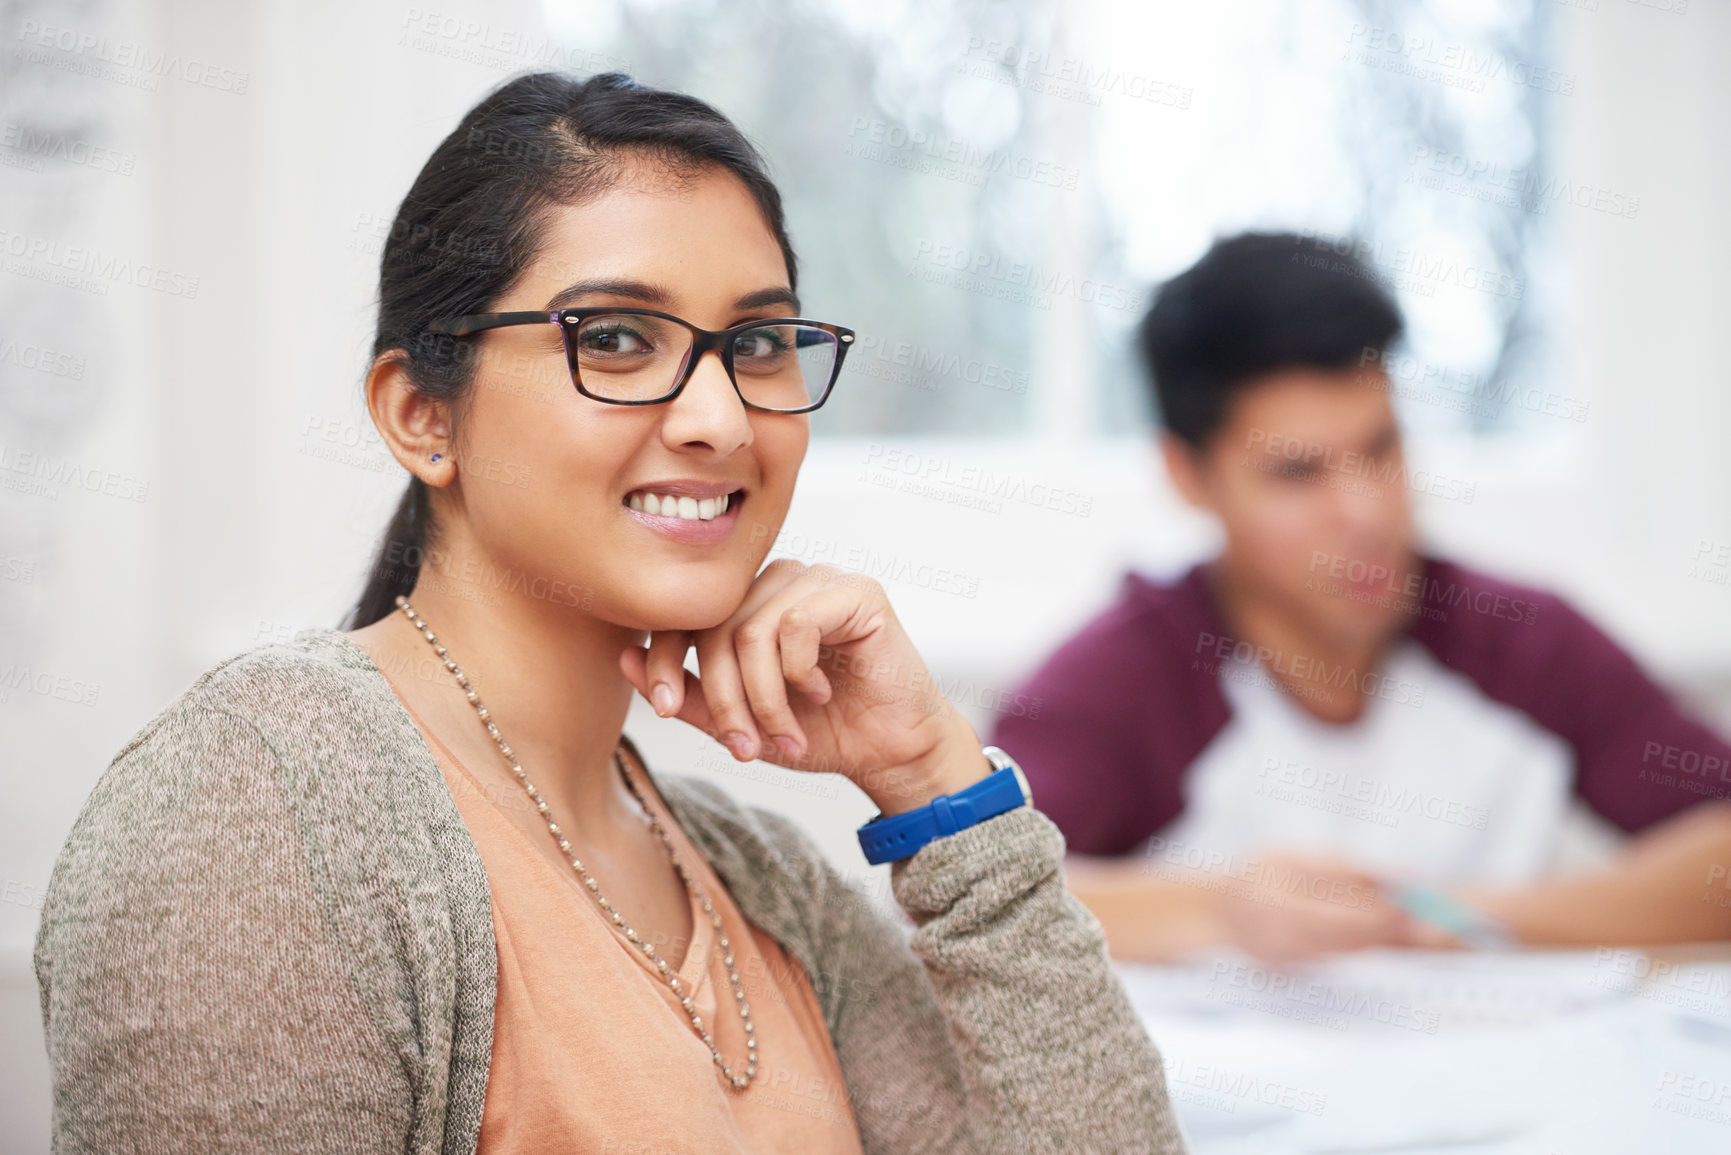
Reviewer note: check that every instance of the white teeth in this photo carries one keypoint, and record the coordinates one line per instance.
(688, 508)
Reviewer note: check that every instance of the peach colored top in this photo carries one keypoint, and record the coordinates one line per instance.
(591, 1049)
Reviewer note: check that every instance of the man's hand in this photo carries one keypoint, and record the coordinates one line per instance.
(1298, 907)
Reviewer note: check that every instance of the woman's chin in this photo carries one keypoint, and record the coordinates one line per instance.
(692, 615)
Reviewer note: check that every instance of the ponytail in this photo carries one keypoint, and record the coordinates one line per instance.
(398, 564)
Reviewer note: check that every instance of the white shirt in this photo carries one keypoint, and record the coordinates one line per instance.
(1434, 781)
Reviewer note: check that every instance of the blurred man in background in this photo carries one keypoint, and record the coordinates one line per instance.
(1285, 748)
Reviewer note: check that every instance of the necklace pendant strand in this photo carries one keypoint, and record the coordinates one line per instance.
(661, 965)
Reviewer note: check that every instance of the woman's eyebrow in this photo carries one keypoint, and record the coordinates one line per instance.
(768, 297)
(659, 295)
(649, 294)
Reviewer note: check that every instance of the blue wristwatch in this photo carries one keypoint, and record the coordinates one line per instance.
(901, 835)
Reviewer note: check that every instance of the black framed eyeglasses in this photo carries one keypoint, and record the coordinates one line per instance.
(642, 357)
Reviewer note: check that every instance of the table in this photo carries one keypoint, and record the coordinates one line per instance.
(1620, 1052)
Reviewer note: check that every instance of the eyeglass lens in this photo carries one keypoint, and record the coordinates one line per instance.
(628, 357)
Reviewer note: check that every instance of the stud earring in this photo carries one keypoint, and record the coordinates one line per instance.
(436, 456)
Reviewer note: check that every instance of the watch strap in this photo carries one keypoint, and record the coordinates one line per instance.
(887, 839)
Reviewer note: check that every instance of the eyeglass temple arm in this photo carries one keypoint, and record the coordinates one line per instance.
(476, 322)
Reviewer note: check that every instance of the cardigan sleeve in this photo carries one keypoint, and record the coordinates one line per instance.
(998, 1024)
(195, 996)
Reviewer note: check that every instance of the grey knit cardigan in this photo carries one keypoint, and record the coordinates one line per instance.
(270, 931)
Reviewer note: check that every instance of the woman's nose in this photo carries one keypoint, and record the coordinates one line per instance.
(708, 411)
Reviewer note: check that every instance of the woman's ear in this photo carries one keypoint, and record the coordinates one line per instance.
(417, 428)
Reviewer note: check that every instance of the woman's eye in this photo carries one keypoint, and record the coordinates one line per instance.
(613, 340)
(760, 343)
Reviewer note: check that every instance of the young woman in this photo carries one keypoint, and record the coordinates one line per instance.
(407, 887)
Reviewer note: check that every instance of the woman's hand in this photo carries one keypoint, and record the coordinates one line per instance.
(814, 672)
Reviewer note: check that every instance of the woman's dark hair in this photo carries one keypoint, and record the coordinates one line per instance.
(1254, 304)
(475, 219)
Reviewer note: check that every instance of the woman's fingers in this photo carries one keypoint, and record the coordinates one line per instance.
(692, 707)
(742, 664)
(722, 682)
(803, 628)
(723, 690)
(715, 703)
(657, 671)
(757, 647)
(781, 644)
(666, 670)
(801, 644)
(746, 664)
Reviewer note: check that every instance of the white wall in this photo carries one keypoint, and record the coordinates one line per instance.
(266, 197)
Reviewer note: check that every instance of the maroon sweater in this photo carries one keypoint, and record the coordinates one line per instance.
(1116, 716)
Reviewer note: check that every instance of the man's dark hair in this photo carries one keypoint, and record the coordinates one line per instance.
(1255, 304)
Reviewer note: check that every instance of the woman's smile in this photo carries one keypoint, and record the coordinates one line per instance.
(698, 512)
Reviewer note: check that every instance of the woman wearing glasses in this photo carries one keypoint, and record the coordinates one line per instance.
(407, 886)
